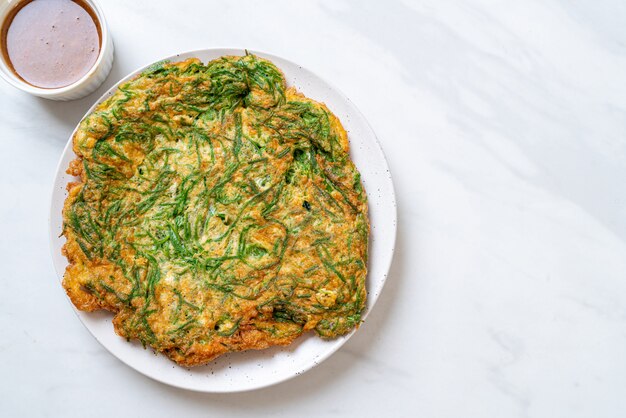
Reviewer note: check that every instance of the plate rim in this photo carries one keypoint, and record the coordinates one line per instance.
(59, 270)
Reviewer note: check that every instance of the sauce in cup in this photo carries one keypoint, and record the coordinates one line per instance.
(51, 43)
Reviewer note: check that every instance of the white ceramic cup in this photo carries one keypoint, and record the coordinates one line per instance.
(80, 88)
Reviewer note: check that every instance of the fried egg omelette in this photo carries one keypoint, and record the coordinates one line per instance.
(215, 210)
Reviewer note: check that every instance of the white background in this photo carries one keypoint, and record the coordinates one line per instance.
(505, 128)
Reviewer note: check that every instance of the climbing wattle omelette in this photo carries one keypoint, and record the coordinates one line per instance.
(216, 210)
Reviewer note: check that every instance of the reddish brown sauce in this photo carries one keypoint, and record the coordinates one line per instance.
(51, 43)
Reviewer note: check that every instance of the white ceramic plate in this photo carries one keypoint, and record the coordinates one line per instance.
(255, 369)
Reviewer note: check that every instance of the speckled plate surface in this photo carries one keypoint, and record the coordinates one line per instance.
(249, 370)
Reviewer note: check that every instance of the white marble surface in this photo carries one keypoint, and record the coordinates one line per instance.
(505, 128)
